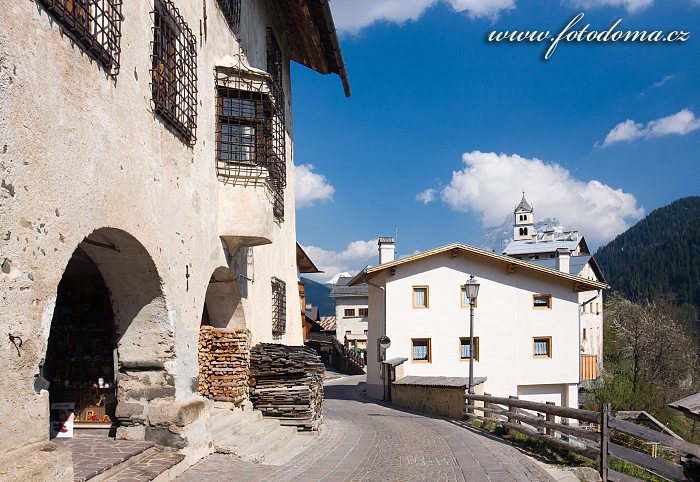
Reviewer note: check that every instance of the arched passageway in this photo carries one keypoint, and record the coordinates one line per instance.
(110, 337)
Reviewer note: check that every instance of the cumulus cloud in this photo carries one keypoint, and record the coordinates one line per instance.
(354, 257)
(310, 187)
(490, 185)
(353, 15)
(426, 196)
(680, 123)
(632, 6)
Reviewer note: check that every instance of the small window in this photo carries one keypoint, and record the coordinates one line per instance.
(465, 348)
(347, 332)
(542, 347)
(349, 311)
(543, 302)
(95, 25)
(279, 307)
(420, 296)
(232, 13)
(597, 309)
(174, 70)
(365, 332)
(584, 333)
(421, 350)
(363, 311)
(583, 309)
(464, 299)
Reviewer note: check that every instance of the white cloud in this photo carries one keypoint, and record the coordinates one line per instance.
(666, 78)
(426, 196)
(354, 257)
(490, 185)
(353, 15)
(310, 187)
(680, 123)
(632, 6)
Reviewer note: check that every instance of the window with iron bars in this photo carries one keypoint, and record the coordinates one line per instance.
(94, 24)
(275, 69)
(174, 70)
(232, 13)
(279, 307)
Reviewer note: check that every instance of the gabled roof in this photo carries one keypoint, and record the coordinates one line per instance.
(690, 406)
(523, 206)
(341, 289)
(304, 263)
(327, 323)
(580, 284)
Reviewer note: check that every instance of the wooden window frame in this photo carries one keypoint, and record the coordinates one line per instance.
(346, 315)
(461, 304)
(361, 310)
(430, 350)
(476, 348)
(427, 297)
(549, 345)
(549, 301)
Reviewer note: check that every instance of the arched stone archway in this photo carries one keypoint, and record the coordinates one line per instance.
(222, 304)
(110, 301)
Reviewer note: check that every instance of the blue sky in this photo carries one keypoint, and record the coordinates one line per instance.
(438, 110)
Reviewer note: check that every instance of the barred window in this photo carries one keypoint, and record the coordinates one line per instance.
(94, 24)
(275, 69)
(174, 70)
(244, 122)
(232, 13)
(279, 307)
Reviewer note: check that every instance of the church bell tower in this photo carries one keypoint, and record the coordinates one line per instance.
(524, 225)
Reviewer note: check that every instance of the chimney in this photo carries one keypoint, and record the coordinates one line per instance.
(563, 258)
(386, 250)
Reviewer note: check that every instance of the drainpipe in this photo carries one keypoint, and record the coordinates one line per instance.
(364, 279)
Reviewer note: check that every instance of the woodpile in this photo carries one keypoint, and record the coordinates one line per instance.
(224, 364)
(287, 384)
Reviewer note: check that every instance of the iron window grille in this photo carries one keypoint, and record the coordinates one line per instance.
(249, 146)
(279, 307)
(174, 70)
(232, 13)
(275, 68)
(94, 24)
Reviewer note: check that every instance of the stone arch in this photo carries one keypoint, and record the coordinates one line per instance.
(222, 305)
(142, 324)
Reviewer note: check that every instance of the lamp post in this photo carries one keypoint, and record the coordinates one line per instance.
(472, 289)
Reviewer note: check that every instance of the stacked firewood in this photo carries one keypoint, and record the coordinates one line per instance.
(287, 384)
(224, 364)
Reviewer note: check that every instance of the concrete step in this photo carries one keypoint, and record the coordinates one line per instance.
(289, 450)
(155, 466)
(223, 425)
(251, 433)
(261, 449)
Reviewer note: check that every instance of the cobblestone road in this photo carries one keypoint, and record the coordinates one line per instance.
(367, 441)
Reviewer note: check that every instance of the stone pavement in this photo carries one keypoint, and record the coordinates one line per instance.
(367, 441)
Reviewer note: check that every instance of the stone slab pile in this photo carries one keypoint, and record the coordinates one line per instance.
(224, 364)
(287, 384)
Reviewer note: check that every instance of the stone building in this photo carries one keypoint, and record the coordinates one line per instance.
(147, 189)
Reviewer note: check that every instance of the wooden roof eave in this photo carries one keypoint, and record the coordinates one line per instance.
(510, 264)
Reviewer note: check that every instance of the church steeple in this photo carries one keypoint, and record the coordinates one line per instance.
(524, 225)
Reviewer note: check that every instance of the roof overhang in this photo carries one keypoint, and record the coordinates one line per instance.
(509, 263)
(313, 40)
(304, 263)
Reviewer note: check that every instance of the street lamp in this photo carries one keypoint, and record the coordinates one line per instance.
(472, 289)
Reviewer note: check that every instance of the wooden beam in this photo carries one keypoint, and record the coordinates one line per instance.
(510, 268)
(654, 436)
(454, 252)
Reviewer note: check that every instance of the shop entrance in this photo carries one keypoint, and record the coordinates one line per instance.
(81, 354)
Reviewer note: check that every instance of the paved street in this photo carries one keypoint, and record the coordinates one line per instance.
(362, 440)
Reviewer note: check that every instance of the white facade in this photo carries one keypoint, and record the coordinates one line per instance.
(506, 322)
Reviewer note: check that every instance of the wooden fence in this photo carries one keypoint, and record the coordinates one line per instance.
(539, 421)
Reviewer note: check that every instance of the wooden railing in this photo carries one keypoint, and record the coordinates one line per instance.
(539, 421)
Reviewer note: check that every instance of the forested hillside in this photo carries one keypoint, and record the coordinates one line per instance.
(659, 256)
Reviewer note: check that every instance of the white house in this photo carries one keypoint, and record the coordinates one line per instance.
(351, 312)
(555, 250)
(526, 321)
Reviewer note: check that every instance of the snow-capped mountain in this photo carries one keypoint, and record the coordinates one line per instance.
(498, 238)
(334, 279)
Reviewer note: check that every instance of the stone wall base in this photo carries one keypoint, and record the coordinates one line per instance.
(40, 462)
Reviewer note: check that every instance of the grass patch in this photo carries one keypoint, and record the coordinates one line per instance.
(625, 467)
